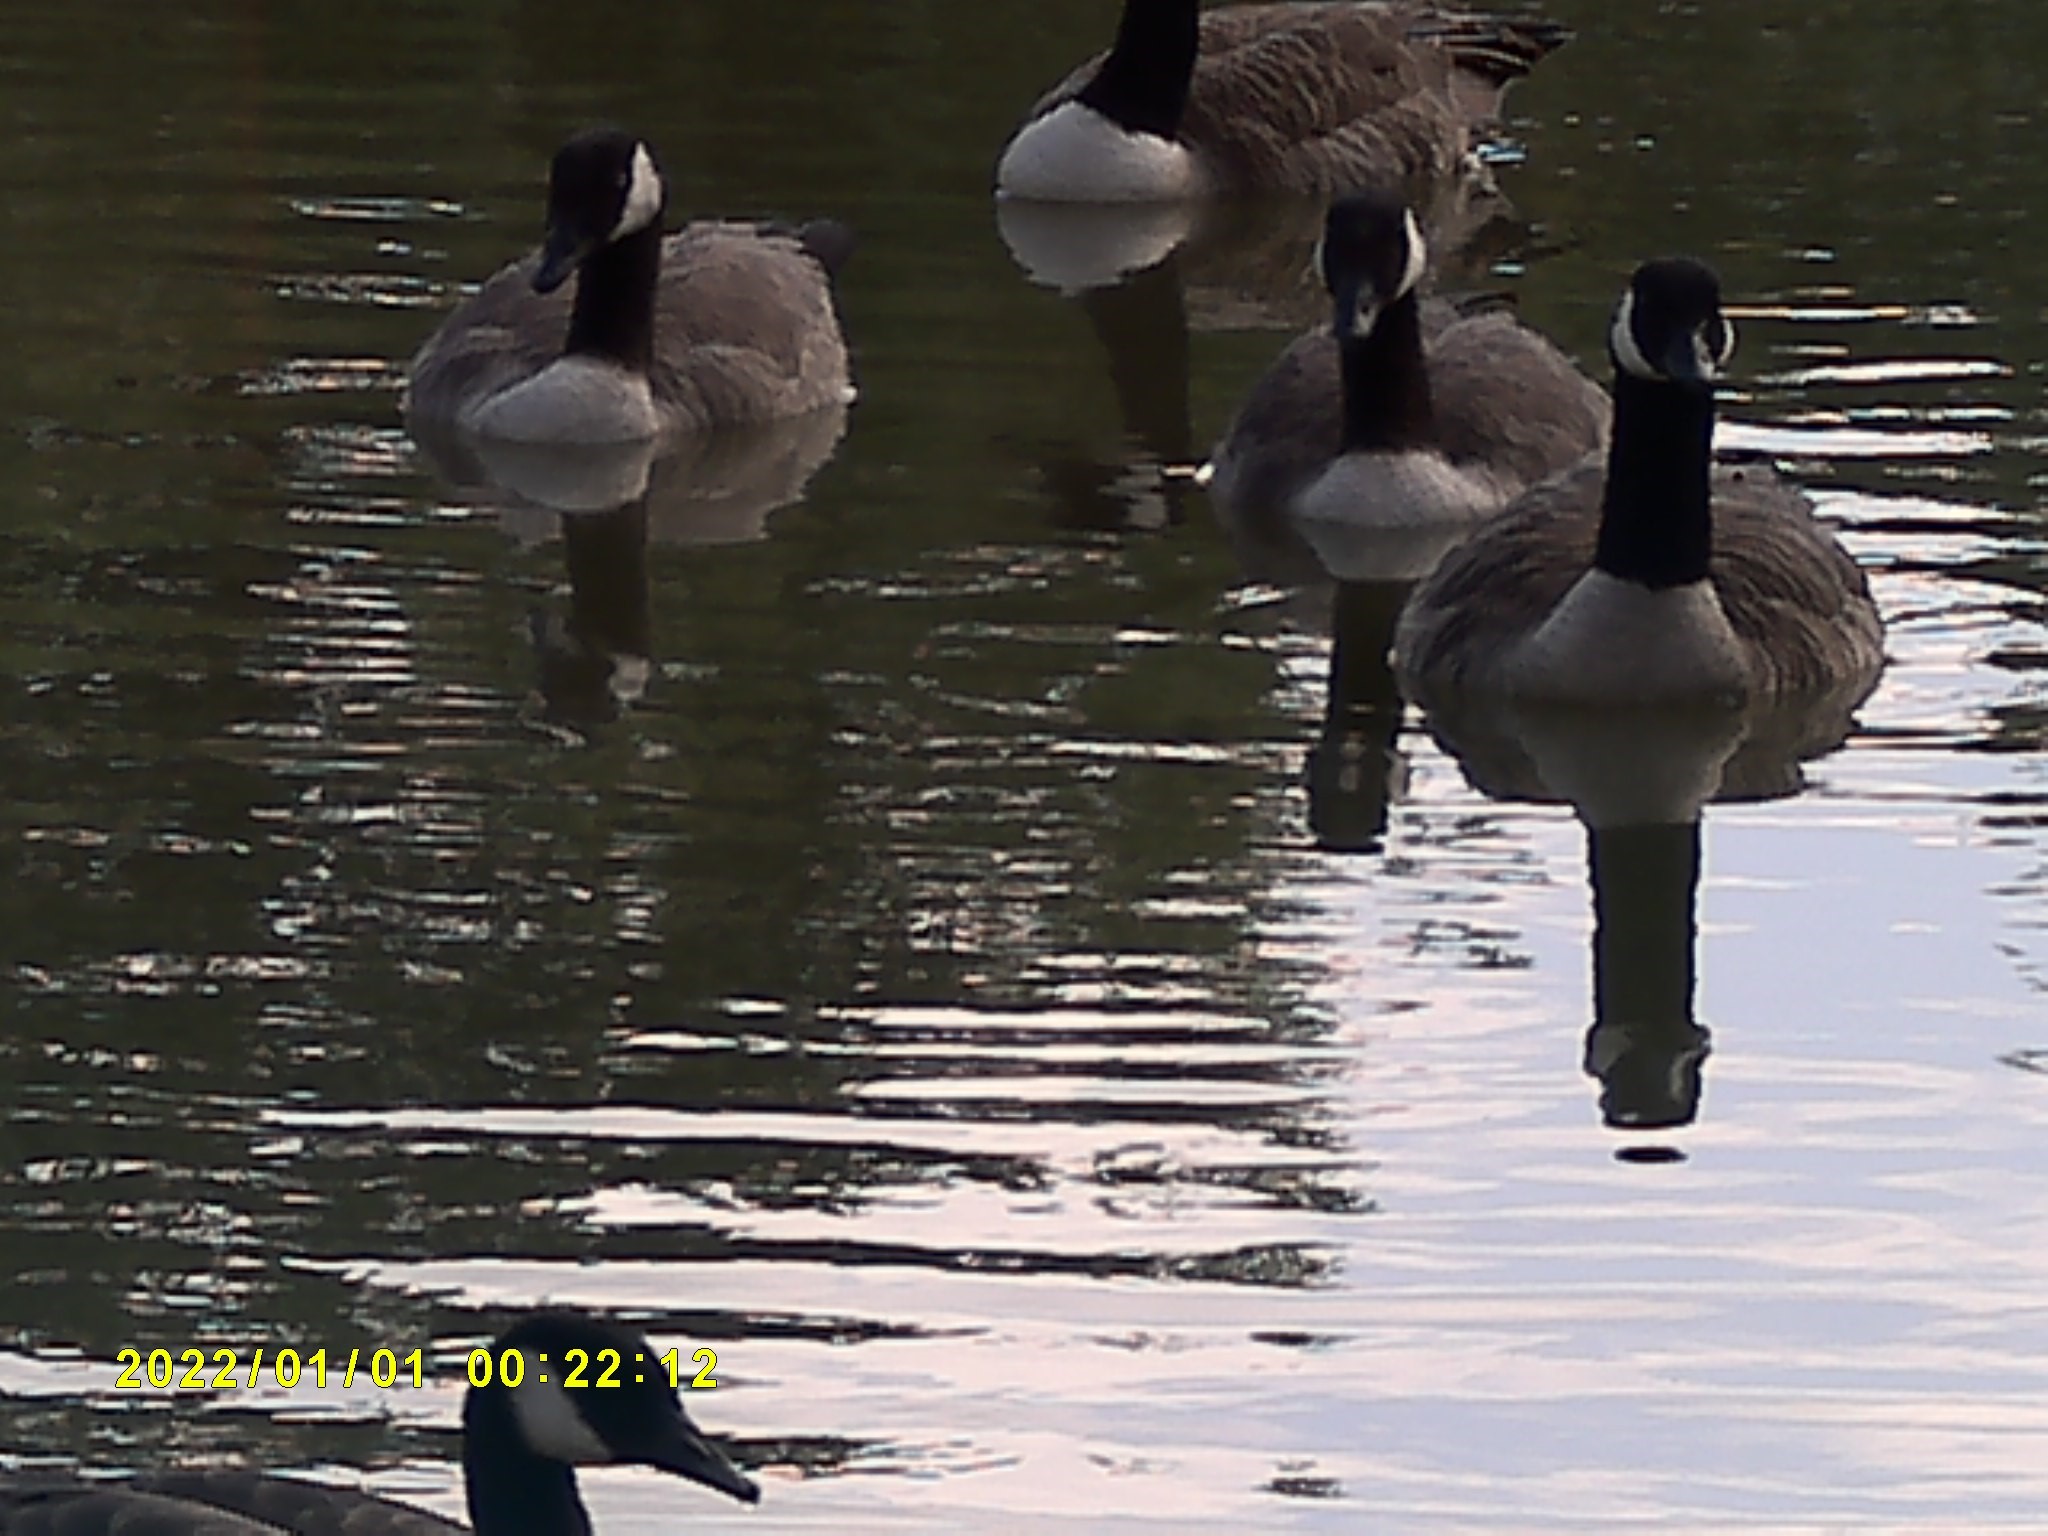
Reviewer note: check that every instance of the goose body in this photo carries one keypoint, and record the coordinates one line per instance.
(1654, 576)
(521, 1446)
(719, 324)
(1310, 98)
(1403, 414)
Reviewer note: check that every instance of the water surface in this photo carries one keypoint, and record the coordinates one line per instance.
(938, 977)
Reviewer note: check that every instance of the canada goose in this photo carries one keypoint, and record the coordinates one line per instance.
(1402, 415)
(717, 325)
(1310, 99)
(521, 1446)
(1658, 577)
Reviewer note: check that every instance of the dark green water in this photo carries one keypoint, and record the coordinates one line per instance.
(927, 988)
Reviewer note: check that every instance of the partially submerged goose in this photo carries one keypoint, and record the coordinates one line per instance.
(720, 324)
(520, 1450)
(1654, 576)
(1302, 98)
(1403, 415)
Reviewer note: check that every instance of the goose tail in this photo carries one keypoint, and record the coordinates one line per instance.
(829, 243)
(1498, 49)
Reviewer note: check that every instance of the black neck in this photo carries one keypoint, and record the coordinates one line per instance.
(1386, 383)
(614, 314)
(1645, 886)
(1143, 84)
(1656, 526)
(1142, 324)
(1349, 766)
(608, 592)
(527, 1498)
(511, 1491)
(1645, 1046)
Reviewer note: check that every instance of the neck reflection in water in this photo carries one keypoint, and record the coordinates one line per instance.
(1640, 781)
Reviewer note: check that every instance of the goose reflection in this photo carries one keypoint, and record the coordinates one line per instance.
(704, 488)
(1640, 781)
(1356, 769)
(607, 503)
(594, 661)
(1246, 265)
(1141, 326)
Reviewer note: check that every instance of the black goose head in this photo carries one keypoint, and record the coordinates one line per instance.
(1371, 255)
(1668, 327)
(521, 1443)
(604, 186)
(1669, 342)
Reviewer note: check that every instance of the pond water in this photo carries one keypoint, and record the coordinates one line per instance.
(956, 971)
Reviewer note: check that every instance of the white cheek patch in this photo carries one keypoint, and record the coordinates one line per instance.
(552, 1427)
(1713, 344)
(1622, 339)
(1723, 345)
(643, 196)
(1418, 255)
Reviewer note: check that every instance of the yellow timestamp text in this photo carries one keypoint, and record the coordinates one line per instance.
(577, 1368)
(221, 1370)
(231, 1370)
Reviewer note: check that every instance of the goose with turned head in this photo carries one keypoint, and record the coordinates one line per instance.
(720, 324)
(1309, 99)
(1654, 576)
(521, 1446)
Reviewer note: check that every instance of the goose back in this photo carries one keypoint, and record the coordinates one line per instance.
(745, 331)
(208, 1504)
(1313, 98)
(289, 1504)
(63, 1508)
(1797, 606)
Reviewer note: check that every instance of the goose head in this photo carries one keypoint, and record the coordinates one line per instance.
(522, 1442)
(1668, 327)
(1371, 255)
(605, 186)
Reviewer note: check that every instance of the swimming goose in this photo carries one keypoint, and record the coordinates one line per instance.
(520, 1450)
(719, 324)
(1303, 98)
(1656, 576)
(1402, 415)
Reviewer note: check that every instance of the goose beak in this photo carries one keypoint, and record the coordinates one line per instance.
(562, 254)
(1358, 308)
(678, 1448)
(1689, 360)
